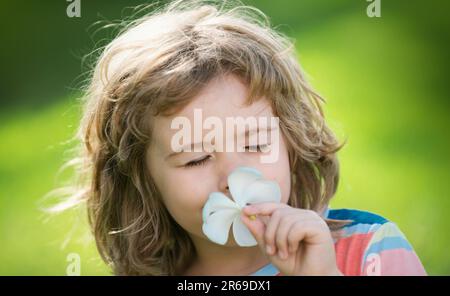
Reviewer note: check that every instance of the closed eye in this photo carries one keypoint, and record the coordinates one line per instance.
(198, 162)
(256, 148)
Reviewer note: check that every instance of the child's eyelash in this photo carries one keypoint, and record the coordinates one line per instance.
(198, 162)
(202, 161)
(258, 147)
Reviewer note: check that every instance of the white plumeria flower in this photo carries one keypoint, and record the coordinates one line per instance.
(247, 186)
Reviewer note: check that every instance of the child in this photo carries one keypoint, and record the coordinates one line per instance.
(145, 198)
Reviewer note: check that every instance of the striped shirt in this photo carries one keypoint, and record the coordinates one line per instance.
(370, 245)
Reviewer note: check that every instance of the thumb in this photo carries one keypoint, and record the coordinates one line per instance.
(257, 229)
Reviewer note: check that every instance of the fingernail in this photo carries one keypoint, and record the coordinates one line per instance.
(269, 249)
(281, 254)
(253, 217)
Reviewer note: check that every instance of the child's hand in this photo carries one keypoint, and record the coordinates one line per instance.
(296, 241)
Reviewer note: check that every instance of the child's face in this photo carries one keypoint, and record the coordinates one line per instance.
(185, 189)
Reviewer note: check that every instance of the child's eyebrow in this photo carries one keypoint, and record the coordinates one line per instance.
(191, 146)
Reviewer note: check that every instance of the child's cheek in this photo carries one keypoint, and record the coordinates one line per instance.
(284, 171)
(185, 209)
(279, 171)
(185, 198)
(281, 174)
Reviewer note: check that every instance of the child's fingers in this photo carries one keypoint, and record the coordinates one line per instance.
(294, 236)
(282, 232)
(308, 231)
(257, 229)
(266, 208)
(269, 235)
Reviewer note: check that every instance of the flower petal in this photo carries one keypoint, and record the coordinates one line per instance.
(242, 234)
(239, 179)
(217, 201)
(218, 224)
(262, 191)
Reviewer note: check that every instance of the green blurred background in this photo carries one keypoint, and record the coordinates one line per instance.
(385, 80)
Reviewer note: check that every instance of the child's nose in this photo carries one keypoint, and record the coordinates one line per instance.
(223, 187)
(226, 164)
(228, 193)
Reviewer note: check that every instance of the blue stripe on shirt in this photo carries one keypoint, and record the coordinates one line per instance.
(358, 217)
(267, 270)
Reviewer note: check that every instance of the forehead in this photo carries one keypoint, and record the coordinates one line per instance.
(223, 97)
